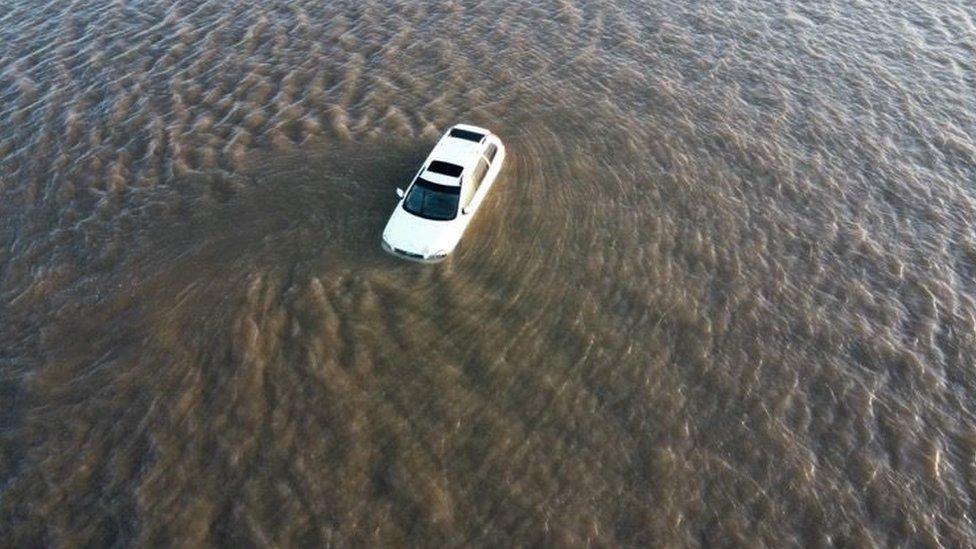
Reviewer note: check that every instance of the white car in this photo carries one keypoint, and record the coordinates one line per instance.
(434, 211)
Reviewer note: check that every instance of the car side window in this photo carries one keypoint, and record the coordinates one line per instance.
(490, 152)
(477, 176)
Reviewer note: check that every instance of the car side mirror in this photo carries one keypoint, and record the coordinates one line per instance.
(465, 211)
(400, 192)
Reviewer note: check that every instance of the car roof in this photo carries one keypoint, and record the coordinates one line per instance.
(458, 151)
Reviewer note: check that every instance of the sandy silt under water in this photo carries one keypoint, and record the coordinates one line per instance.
(721, 294)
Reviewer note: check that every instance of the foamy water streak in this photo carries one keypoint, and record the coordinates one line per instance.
(722, 293)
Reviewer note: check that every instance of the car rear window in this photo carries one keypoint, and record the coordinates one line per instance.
(445, 168)
(468, 135)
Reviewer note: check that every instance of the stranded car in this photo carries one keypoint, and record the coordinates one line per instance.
(438, 205)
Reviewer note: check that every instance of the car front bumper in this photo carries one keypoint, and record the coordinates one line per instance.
(411, 256)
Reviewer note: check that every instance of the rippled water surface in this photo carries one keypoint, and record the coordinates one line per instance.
(722, 293)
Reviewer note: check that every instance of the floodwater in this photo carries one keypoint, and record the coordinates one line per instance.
(722, 293)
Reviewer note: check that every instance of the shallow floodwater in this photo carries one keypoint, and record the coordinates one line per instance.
(722, 293)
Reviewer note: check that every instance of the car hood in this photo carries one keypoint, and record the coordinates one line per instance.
(414, 234)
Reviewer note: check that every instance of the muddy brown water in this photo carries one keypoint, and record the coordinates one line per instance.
(722, 293)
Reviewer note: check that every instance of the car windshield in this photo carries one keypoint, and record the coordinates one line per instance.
(432, 201)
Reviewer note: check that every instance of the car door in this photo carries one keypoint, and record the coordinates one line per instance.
(471, 198)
